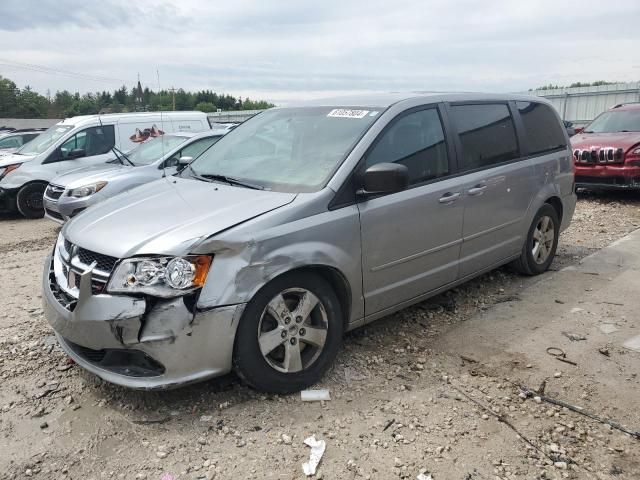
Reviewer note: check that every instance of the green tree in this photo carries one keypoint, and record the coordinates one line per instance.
(205, 107)
(15, 102)
(8, 98)
(30, 104)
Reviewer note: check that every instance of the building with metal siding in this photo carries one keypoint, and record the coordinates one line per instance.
(580, 105)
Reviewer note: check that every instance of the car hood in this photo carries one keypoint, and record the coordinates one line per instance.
(167, 216)
(588, 141)
(88, 175)
(12, 159)
(7, 151)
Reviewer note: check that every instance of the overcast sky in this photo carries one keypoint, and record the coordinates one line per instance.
(283, 50)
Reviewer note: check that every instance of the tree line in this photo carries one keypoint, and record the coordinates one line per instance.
(597, 83)
(25, 103)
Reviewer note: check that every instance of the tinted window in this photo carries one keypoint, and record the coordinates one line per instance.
(541, 125)
(417, 141)
(487, 135)
(94, 141)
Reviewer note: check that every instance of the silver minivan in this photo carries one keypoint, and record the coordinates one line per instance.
(301, 224)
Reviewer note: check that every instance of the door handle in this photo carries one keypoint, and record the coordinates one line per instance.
(477, 190)
(449, 197)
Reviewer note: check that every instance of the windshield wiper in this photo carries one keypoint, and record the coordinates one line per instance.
(231, 181)
(214, 177)
(122, 155)
(587, 131)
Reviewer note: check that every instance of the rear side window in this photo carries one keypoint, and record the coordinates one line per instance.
(196, 148)
(417, 141)
(541, 125)
(487, 135)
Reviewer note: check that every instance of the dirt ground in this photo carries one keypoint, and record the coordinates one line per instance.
(433, 389)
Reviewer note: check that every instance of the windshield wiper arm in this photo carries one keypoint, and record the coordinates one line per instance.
(122, 155)
(230, 180)
(118, 157)
(194, 174)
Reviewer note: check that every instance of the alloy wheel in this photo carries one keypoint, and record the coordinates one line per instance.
(543, 237)
(293, 330)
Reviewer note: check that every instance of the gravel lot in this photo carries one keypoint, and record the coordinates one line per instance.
(401, 399)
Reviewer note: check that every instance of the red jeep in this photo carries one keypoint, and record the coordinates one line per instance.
(607, 151)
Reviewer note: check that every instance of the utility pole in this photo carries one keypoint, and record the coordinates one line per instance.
(173, 94)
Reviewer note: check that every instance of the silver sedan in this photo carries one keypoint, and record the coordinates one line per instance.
(71, 193)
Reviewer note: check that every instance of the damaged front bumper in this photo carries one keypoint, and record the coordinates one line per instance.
(130, 342)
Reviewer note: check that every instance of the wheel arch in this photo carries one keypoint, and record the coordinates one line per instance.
(556, 203)
(333, 276)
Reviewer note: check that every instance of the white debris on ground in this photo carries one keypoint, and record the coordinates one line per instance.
(393, 411)
(315, 395)
(317, 451)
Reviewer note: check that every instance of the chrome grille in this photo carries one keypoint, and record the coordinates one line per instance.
(72, 262)
(54, 192)
(104, 262)
(599, 155)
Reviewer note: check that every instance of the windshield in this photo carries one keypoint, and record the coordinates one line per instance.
(154, 149)
(10, 142)
(288, 149)
(44, 140)
(615, 121)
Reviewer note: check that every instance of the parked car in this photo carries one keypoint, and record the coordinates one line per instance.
(13, 140)
(71, 193)
(80, 142)
(302, 223)
(607, 151)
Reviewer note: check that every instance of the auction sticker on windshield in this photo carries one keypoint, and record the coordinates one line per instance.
(347, 113)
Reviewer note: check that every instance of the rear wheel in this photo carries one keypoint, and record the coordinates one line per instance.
(541, 243)
(289, 334)
(29, 200)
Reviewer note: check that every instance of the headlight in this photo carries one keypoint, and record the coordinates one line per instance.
(8, 169)
(87, 190)
(160, 276)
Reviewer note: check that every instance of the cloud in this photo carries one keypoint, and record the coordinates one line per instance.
(287, 50)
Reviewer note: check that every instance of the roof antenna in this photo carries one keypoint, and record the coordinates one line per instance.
(164, 174)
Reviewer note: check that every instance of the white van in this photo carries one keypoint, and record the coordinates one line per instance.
(80, 142)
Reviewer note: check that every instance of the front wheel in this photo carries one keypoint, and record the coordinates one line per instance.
(29, 200)
(541, 243)
(289, 334)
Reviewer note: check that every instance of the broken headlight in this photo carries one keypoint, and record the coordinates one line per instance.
(160, 276)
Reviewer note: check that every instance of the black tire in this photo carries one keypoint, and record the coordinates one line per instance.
(254, 368)
(29, 200)
(527, 264)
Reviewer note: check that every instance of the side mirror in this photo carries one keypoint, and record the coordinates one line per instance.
(76, 153)
(384, 178)
(170, 162)
(183, 162)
